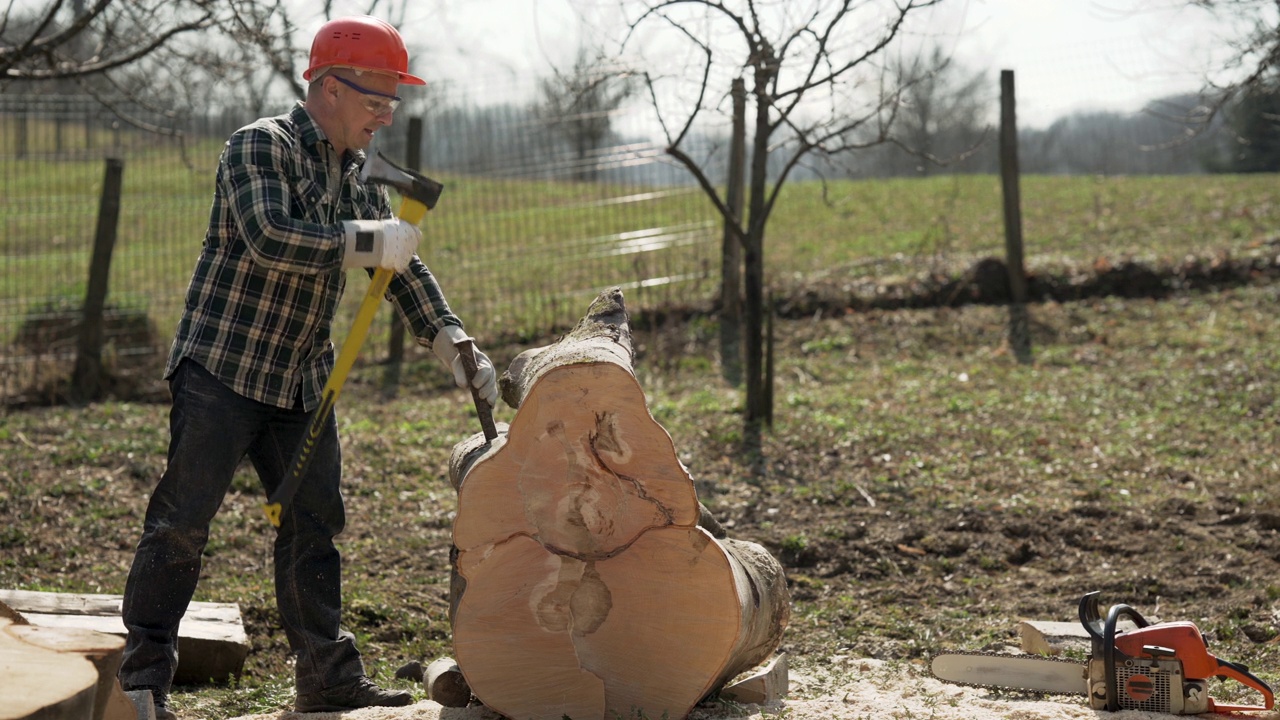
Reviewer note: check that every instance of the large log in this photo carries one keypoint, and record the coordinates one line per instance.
(589, 582)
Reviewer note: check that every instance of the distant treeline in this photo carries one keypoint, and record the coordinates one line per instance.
(523, 141)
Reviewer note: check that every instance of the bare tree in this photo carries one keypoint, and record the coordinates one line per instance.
(150, 59)
(943, 109)
(161, 58)
(809, 66)
(58, 42)
(1256, 52)
(1251, 67)
(579, 105)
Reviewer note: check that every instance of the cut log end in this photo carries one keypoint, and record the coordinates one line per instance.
(445, 683)
(588, 580)
(45, 680)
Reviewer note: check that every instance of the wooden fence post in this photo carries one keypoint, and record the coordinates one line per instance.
(20, 137)
(1019, 322)
(768, 361)
(395, 346)
(87, 377)
(731, 246)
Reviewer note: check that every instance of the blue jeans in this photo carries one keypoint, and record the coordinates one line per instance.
(211, 429)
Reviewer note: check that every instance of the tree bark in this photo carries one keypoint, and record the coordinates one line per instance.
(588, 579)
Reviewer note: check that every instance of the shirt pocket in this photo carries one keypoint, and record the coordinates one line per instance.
(363, 202)
(308, 200)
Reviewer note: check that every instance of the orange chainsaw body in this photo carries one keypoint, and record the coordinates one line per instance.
(1163, 667)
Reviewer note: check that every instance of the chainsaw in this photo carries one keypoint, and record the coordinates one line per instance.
(1162, 667)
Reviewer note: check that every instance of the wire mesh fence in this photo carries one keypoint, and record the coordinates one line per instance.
(534, 221)
(528, 230)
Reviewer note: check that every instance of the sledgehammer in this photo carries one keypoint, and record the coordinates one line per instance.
(419, 194)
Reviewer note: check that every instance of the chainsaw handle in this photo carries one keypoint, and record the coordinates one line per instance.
(1241, 674)
(1109, 650)
(1095, 623)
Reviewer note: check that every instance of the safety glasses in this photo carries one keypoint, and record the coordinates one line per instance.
(375, 102)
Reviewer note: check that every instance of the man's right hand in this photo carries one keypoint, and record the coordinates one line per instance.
(388, 243)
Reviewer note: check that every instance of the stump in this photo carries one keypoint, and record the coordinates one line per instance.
(588, 581)
(56, 673)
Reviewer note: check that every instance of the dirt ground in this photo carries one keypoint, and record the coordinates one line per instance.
(886, 574)
(848, 689)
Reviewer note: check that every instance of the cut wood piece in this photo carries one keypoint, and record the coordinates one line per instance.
(13, 616)
(445, 684)
(144, 702)
(41, 682)
(1050, 637)
(765, 686)
(588, 579)
(104, 651)
(212, 645)
(119, 706)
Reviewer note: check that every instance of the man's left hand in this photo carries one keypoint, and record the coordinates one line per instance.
(486, 378)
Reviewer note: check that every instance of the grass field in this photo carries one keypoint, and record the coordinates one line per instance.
(516, 257)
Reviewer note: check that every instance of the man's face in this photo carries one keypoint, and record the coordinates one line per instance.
(364, 106)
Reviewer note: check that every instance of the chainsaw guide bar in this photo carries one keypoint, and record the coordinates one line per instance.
(1162, 667)
(1025, 673)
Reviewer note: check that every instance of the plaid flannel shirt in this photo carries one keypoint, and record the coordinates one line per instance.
(261, 301)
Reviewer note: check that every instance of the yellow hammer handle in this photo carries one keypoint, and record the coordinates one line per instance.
(411, 211)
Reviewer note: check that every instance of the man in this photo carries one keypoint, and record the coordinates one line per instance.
(252, 353)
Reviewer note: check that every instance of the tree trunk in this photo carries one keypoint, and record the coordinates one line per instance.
(588, 579)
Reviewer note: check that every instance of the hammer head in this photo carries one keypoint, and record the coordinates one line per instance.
(378, 169)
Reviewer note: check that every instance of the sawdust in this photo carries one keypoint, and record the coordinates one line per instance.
(842, 689)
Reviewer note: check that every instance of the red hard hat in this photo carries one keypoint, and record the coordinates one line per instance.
(361, 42)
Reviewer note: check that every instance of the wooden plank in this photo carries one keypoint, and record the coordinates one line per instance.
(90, 604)
(212, 644)
(195, 629)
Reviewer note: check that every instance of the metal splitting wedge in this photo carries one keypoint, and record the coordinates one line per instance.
(467, 351)
(418, 195)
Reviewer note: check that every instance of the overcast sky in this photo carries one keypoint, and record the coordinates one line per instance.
(1070, 55)
(1067, 55)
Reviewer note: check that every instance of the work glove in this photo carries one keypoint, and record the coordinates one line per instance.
(388, 243)
(486, 379)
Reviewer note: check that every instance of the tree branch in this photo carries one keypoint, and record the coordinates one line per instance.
(735, 223)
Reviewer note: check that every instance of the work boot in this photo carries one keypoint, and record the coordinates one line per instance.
(358, 693)
(159, 700)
